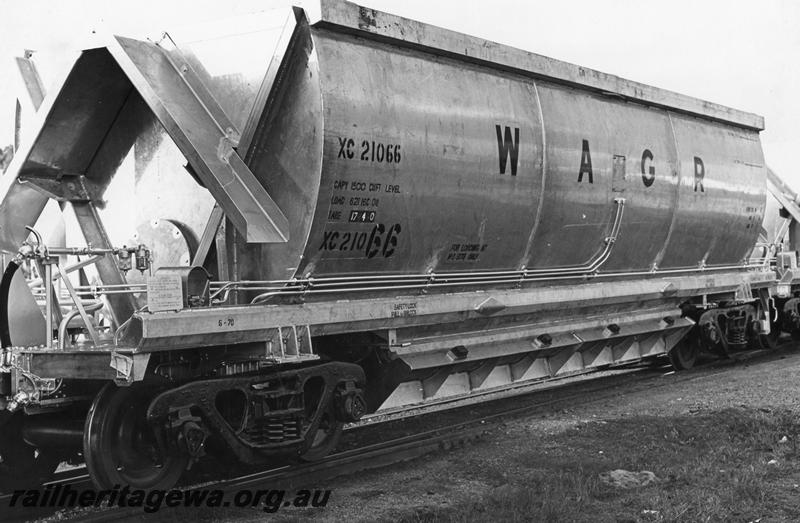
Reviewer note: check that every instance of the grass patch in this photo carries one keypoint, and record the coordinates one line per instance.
(713, 466)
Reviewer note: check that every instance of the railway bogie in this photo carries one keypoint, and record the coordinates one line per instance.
(385, 215)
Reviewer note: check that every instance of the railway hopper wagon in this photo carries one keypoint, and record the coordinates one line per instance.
(267, 238)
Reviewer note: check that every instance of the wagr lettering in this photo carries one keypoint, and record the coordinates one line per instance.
(507, 148)
(648, 170)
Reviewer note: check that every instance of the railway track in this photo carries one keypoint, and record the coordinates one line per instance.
(366, 449)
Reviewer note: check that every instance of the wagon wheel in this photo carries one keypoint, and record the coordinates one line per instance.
(21, 465)
(326, 438)
(684, 355)
(119, 445)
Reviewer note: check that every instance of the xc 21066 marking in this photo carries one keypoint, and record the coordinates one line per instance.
(379, 240)
(369, 151)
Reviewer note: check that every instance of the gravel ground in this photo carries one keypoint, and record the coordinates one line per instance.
(422, 488)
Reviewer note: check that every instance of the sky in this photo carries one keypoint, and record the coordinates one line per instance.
(740, 53)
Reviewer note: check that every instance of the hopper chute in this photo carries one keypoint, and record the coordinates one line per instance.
(89, 126)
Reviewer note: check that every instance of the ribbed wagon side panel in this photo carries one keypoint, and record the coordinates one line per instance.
(721, 196)
(413, 175)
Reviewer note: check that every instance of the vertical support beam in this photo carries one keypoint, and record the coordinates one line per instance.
(233, 246)
(122, 305)
(48, 307)
(223, 270)
(209, 234)
(52, 306)
(18, 130)
(228, 256)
